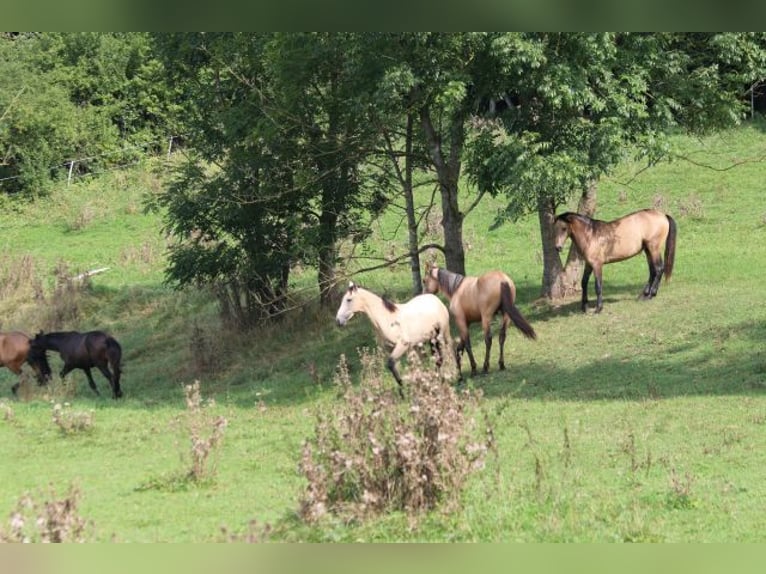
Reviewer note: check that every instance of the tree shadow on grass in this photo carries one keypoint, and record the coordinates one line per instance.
(715, 365)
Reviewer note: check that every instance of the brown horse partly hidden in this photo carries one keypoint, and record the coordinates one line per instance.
(475, 299)
(602, 242)
(15, 349)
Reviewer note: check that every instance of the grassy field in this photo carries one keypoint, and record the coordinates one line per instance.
(644, 423)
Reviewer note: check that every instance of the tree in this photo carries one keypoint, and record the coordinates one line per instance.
(578, 102)
(449, 79)
(287, 120)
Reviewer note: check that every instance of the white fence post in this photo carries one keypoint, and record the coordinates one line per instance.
(69, 177)
(170, 146)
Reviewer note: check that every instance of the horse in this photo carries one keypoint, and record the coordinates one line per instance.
(84, 351)
(602, 242)
(473, 299)
(399, 326)
(15, 349)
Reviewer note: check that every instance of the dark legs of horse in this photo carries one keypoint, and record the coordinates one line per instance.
(584, 286)
(599, 298)
(656, 270)
(488, 348)
(91, 382)
(391, 365)
(585, 278)
(465, 344)
(501, 341)
(113, 381)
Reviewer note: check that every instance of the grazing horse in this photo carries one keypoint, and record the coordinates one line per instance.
(400, 326)
(84, 351)
(473, 299)
(602, 242)
(14, 350)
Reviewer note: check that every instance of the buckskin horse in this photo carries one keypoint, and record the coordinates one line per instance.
(84, 351)
(400, 326)
(473, 299)
(602, 242)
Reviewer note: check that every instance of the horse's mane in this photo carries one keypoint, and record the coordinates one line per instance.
(584, 219)
(449, 281)
(388, 304)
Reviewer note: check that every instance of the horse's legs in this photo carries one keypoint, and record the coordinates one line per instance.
(91, 382)
(584, 285)
(501, 341)
(399, 350)
(659, 265)
(465, 343)
(652, 273)
(487, 326)
(109, 377)
(599, 299)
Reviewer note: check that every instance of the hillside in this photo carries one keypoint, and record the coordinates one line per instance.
(642, 423)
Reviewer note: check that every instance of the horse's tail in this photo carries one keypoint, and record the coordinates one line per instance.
(513, 312)
(670, 248)
(114, 356)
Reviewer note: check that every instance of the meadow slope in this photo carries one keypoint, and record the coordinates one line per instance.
(644, 423)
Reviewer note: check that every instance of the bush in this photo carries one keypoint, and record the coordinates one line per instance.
(376, 453)
(53, 520)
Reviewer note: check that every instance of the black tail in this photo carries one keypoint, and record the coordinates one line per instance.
(114, 355)
(670, 248)
(513, 312)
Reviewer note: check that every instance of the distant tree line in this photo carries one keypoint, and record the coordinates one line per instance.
(297, 141)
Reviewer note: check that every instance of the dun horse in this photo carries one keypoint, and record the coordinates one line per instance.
(15, 349)
(475, 299)
(84, 351)
(602, 242)
(400, 326)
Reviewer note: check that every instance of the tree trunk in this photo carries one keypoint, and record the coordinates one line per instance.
(412, 222)
(448, 175)
(561, 281)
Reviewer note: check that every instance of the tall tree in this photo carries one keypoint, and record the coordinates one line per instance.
(449, 79)
(287, 121)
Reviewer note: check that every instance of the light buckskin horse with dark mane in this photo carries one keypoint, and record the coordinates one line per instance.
(83, 351)
(602, 242)
(473, 299)
(15, 349)
(400, 326)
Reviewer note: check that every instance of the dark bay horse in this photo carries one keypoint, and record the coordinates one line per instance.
(602, 242)
(399, 326)
(475, 299)
(84, 351)
(15, 349)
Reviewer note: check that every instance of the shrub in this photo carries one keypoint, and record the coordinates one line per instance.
(53, 520)
(204, 431)
(70, 421)
(377, 453)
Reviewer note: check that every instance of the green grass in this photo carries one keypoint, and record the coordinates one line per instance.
(644, 423)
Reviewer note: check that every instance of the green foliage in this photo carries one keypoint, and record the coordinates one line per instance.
(582, 102)
(77, 96)
(287, 119)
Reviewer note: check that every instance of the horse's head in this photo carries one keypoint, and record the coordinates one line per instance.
(561, 229)
(431, 279)
(348, 305)
(38, 359)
